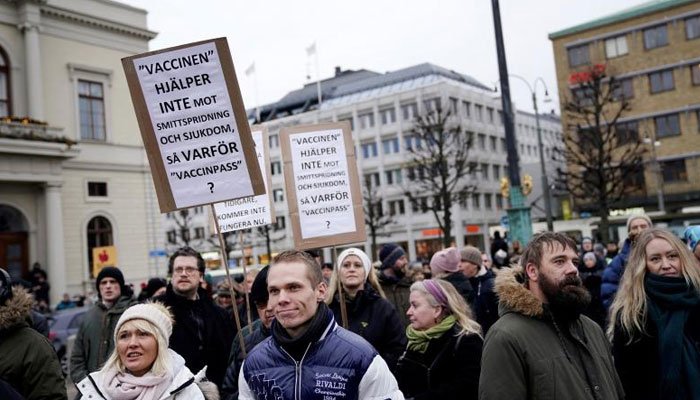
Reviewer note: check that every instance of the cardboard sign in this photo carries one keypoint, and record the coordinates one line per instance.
(323, 187)
(250, 212)
(105, 256)
(193, 123)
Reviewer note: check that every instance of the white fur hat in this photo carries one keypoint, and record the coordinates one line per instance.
(366, 263)
(155, 313)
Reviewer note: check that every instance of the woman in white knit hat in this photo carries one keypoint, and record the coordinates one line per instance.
(370, 315)
(142, 367)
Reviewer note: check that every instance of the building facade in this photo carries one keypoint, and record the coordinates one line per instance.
(73, 172)
(654, 51)
(381, 109)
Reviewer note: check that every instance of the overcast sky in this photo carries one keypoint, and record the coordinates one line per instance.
(377, 35)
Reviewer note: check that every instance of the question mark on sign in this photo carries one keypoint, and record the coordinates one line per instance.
(211, 187)
(328, 224)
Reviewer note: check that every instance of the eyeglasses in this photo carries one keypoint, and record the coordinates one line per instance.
(185, 270)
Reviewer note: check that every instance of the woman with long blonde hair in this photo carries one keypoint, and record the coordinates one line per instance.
(443, 357)
(655, 320)
(369, 314)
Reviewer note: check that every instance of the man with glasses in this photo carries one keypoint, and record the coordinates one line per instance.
(203, 332)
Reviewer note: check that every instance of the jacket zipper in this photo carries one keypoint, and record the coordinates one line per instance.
(297, 371)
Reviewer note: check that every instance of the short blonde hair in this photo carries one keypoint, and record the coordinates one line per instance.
(161, 363)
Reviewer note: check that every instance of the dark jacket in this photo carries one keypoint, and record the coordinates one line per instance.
(638, 363)
(529, 356)
(339, 365)
(592, 279)
(461, 283)
(499, 244)
(613, 274)
(251, 337)
(485, 302)
(449, 369)
(95, 339)
(27, 359)
(397, 292)
(377, 321)
(202, 333)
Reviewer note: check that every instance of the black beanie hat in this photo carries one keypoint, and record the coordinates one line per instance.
(258, 291)
(110, 272)
(389, 253)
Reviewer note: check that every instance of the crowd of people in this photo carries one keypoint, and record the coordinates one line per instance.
(549, 319)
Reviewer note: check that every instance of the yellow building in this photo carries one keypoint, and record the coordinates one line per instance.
(654, 50)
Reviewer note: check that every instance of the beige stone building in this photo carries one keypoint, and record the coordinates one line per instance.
(73, 172)
(654, 49)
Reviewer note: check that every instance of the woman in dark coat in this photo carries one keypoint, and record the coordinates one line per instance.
(443, 357)
(655, 320)
(369, 314)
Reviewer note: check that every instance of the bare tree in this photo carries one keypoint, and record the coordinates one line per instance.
(182, 234)
(603, 155)
(439, 167)
(375, 218)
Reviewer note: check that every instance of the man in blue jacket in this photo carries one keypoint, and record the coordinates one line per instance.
(308, 355)
(613, 272)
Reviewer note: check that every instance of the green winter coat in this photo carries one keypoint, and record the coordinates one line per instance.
(95, 340)
(527, 356)
(27, 360)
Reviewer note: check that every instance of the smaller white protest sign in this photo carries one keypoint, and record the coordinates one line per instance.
(249, 212)
(322, 185)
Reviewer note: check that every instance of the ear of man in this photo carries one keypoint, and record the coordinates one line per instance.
(532, 272)
(321, 290)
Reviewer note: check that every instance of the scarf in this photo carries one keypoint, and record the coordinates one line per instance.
(296, 347)
(418, 340)
(670, 301)
(121, 386)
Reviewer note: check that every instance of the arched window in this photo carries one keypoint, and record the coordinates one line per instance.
(99, 233)
(5, 105)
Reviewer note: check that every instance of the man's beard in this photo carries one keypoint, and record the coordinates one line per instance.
(568, 299)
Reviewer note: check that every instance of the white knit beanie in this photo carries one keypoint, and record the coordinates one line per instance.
(366, 263)
(155, 313)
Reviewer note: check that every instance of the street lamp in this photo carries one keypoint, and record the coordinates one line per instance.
(657, 168)
(545, 180)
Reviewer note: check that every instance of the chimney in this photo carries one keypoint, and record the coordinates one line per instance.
(338, 71)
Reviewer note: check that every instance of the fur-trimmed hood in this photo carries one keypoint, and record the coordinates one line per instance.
(513, 294)
(17, 309)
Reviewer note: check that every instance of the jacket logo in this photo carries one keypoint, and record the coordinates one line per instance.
(265, 388)
(330, 385)
(364, 324)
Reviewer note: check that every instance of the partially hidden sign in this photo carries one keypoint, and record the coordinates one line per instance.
(194, 125)
(322, 184)
(250, 212)
(105, 256)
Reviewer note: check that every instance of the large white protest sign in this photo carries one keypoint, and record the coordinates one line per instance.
(194, 125)
(249, 212)
(323, 191)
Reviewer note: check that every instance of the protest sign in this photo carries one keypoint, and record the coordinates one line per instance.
(250, 212)
(194, 125)
(322, 184)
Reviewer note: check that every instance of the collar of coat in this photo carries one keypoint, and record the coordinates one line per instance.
(17, 309)
(514, 296)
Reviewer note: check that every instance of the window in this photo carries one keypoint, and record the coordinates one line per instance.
(371, 179)
(485, 171)
(661, 81)
(185, 234)
(627, 132)
(420, 204)
(99, 234)
(172, 236)
(199, 210)
(634, 178)
(492, 143)
(578, 55)
(5, 109)
(692, 27)
(667, 125)
(97, 189)
(432, 104)
(390, 145)
(583, 96)
(274, 141)
(655, 37)
(409, 111)
(488, 201)
(369, 149)
(199, 233)
(476, 201)
(695, 74)
(481, 141)
(393, 176)
(496, 172)
(388, 115)
(623, 89)
(278, 195)
(616, 47)
(280, 223)
(454, 106)
(413, 142)
(489, 111)
(92, 112)
(467, 106)
(499, 202)
(504, 147)
(674, 171)
(366, 120)
(276, 168)
(479, 111)
(396, 207)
